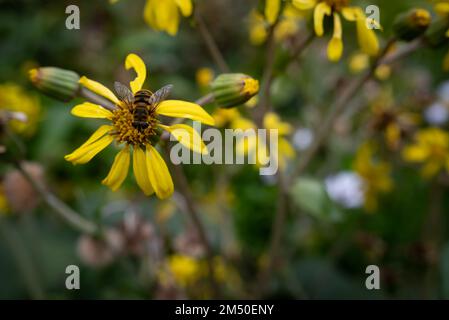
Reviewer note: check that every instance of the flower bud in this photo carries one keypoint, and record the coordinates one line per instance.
(436, 34)
(233, 89)
(411, 24)
(58, 83)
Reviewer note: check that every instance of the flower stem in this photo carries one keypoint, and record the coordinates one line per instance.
(211, 44)
(94, 98)
(70, 216)
(184, 190)
(23, 260)
(267, 76)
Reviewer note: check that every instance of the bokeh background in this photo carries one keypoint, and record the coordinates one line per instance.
(326, 246)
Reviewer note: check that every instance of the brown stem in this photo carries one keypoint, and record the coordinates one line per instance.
(184, 189)
(267, 76)
(211, 44)
(70, 216)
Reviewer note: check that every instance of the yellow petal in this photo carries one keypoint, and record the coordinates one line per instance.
(100, 132)
(367, 38)
(415, 153)
(187, 136)
(119, 170)
(272, 121)
(183, 109)
(442, 8)
(304, 4)
(352, 13)
(167, 16)
(321, 9)
(135, 62)
(446, 62)
(335, 47)
(149, 14)
(85, 153)
(272, 10)
(185, 6)
(431, 168)
(91, 110)
(158, 173)
(98, 88)
(141, 171)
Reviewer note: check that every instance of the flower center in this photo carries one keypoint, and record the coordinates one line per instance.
(337, 4)
(125, 129)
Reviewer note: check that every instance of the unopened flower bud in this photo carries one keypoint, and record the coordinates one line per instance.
(58, 83)
(233, 89)
(437, 33)
(411, 24)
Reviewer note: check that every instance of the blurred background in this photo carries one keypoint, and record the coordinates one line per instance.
(347, 211)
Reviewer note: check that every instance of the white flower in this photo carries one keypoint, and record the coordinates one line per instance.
(346, 188)
(437, 114)
(302, 139)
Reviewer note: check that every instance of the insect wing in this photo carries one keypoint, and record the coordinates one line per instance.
(123, 92)
(160, 95)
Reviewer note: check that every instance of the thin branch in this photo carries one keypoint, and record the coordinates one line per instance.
(337, 108)
(211, 44)
(267, 76)
(70, 216)
(23, 260)
(184, 190)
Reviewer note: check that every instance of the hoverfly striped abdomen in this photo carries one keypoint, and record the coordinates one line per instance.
(141, 109)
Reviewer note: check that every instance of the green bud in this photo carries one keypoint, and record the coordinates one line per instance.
(411, 24)
(233, 89)
(58, 83)
(437, 33)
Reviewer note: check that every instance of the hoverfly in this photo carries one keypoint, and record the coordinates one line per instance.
(142, 103)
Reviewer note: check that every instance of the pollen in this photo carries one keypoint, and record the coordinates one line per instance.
(125, 132)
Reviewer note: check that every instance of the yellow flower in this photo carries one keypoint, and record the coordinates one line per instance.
(204, 77)
(4, 208)
(224, 116)
(163, 15)
(360, 61)
(149, 168)
(186, 270)
(442, 8)
(271, 121)
(431, 148)
(14, 98)
(334, 8)
(287, 26)
(375, 174)
(272, 8)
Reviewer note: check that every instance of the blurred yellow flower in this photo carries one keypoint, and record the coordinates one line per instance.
(250, 145)
(287, 26)
(442, 8)
(163, 15)
(204, 77)
(375, 175)
(186, 270)
(431, 148)
(224, 116)
(150, 170)
(14, 98)
(4, 208)
(334, 8)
